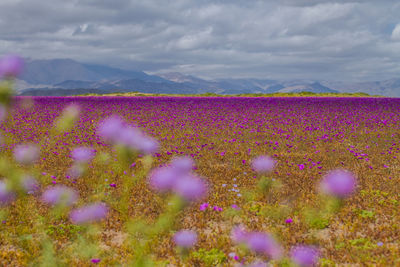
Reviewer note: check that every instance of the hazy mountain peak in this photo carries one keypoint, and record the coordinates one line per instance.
(53, 71)
(179, 77)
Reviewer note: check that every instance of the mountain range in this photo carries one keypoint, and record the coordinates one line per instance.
(69, 77)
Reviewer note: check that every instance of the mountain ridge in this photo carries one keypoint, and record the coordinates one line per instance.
(60, 75)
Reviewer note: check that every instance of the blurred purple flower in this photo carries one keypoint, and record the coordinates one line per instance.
(191, 188)
(239, 234)
(90, 213)
(304, 256)
(11, 66)
(146, 144)
(114, 130)
(163, 179)
(60, 194)
(263, 164)
(264, 244)
(110, 128)
(26, 153)
(82, 154)
(185, 238)
(130, 137)
(301, 166)
(6, 195)
(135, 139)
(289, 220)
(167, 177)
(339, 183)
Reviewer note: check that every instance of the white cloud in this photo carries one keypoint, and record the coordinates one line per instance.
(324, 12)
(396, 33)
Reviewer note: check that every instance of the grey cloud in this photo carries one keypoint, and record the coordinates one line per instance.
(341, 40)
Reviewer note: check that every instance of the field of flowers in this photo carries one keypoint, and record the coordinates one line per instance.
(198, 181)
(305, 138)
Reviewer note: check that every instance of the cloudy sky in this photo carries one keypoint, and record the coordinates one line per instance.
(279, 39)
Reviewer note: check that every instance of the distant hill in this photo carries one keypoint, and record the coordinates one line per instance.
(59, 70)
(238, 86)
(131, 85)
(66, 77)
(314, 87)
(387, 88)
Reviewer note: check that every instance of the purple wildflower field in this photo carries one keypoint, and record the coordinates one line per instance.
(200, 181)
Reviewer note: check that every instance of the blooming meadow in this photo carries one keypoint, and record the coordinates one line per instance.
(197, 181)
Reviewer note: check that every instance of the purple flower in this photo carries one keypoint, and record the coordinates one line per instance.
(185, 238)
(133, 138)
(216, 208)
(167, 177)
(301, 166)
(95, 260)
(304, 255)
(113, 185)
(90, 213)
(11, 66)
(147, 145)
(82, 154)
(263, 164)
(6, 195)
(239, 234)
(264, 244)
(60, 194)
(339, 183)
(289, 220)
(26, 153)
(163, 179)
(191, 188)
(110, 128)
(129, 136)
(204, 206)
